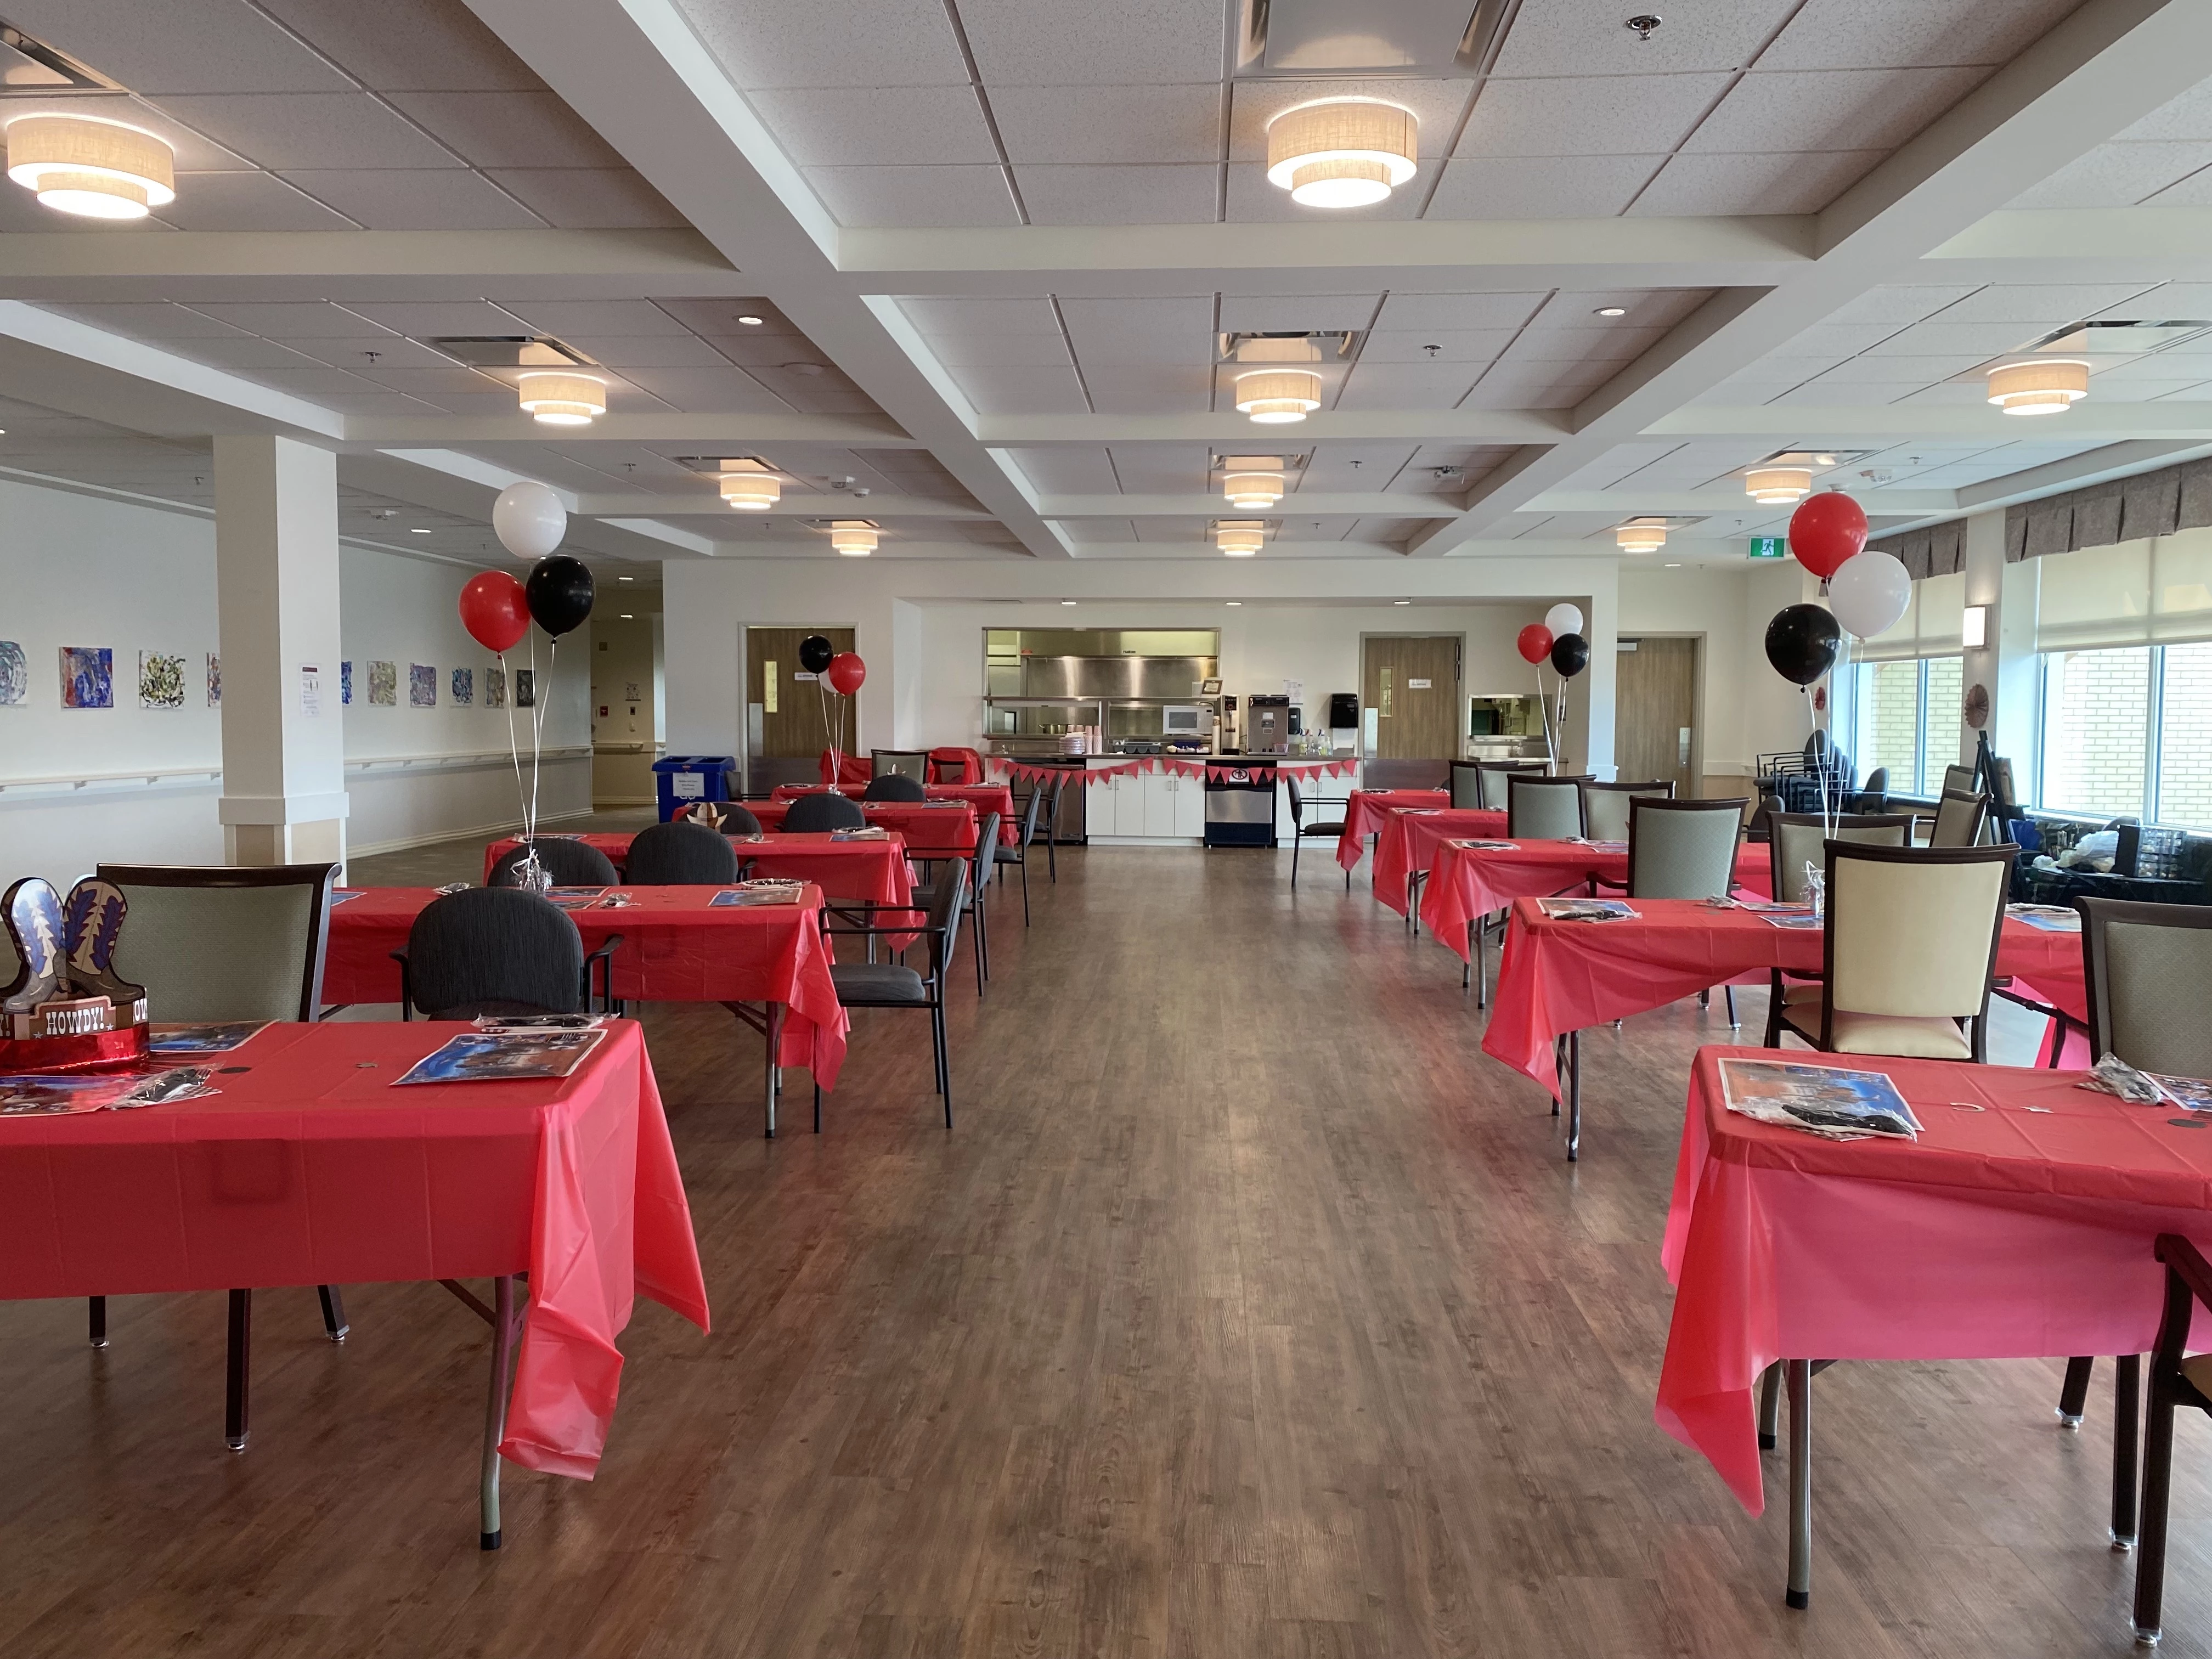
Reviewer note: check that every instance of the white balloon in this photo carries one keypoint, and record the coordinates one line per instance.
(1869, 592)
(1564, 619)
(529, 519)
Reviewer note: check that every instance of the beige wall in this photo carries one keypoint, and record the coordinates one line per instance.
(622, 749)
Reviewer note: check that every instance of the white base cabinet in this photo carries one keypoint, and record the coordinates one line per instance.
(1147, 806)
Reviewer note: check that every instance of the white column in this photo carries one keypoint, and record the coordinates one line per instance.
(277, 580)
(1984, 665)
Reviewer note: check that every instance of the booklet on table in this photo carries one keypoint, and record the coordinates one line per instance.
(1823, 1100)
(500, 1056)
(1486, 846)
(1574, 909)
(46, 1095)
(212, 1037)
(1797, 921)
(2049, 918)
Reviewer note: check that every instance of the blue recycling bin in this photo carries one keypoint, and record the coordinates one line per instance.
(683, 779)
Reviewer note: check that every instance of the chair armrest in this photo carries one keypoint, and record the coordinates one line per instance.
(2187, 1264)
(406, 987)
(604, 956)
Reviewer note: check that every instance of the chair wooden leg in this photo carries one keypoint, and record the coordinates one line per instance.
(1025, 887)
(1574, 1096)
(2127, 1412)
(2157, 1484)
(239, 1364)
(2074, 1395)
(334, 1319)
(1773, 1039)
(99, 1321)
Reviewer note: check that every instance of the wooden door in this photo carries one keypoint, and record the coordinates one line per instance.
(1654, 712)
(792, 720)
(1412, 685)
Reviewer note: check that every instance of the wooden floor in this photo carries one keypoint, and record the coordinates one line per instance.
(1248, 1313)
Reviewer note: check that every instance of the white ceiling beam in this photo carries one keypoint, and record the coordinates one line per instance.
(1798, 426)
(465, 488)
(2094, 74)
(637, 74)
(834, 505)
(708, 432)
(1300, 504)
(1437, 426)
(1627, 502)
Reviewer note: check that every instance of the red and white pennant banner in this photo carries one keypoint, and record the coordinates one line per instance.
(1253, 770)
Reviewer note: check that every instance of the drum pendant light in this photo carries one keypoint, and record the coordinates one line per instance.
(563, 400)
(1254, 492)
(749, 487)
(97, 169)
(854, 537)
(2049, 387)
(1276, 396)
(1777, 486)
(1239, 538)
(1640, 538)
(1342, 152)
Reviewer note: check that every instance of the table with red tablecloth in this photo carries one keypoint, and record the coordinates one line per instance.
(983, 797)
(1362, 811)
(310, 1168)
(2019, 1224)
(871, 871)
(1559, 977)
(1407, 839)
(942, 829)
(676, 946)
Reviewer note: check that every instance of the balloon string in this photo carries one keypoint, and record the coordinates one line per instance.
(515, 754)
(537, 723)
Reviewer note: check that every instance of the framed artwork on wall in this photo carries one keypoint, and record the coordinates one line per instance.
(345, 685)
(526, 687)
(88, 676)
(495, 688)
(213, 680)
(160, 680)
(421, 685)
(15, 674)
(384, 684)
(465, 685)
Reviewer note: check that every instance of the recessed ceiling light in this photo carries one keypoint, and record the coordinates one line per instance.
(750, 322)
(1610, 311)
(1674, 565)
(418, 532)
(1401, 601)
(625, 579)
(1067, 601)
(1232, 601)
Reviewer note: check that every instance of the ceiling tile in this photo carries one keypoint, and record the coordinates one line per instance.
(1531, 118)
(1042, 42)
(287, 129)
(1938, 337)
(1072, 470)
(416, 199)
(2195, 190)
(999, 350)
(431, 45)
(1538, 386)
(1655, 307)
(304, 320)
(2119, 175)
(1831, 110)
(1120, 195)
(589, 198)
(1253, 104)
(1404, 310)
(1119, 333)
(563, 317)
(830, 43)
(1900, 304)
(247, 202)
(1263, 312)
(1254, 201)
(914, 197)
(147, 322)
(1163, 468)
(647, 350)
(335, 388)
(351, 351)
(424, 319)
(1898, 33)
(179, 46)
(1341, 468)
(932, 315)
(1737, 185)
(1454, 345)
(878, 126)
(1032, 390)
(1407, 385)
(1537, 343)
(720, 316)
(2188, 116)
(704, 391)
(1541, 187)
(509, 129)
(246, 354)
(1925, 370)
(1563, 40)
(1106, 125)
(2047, 303)
(456, 390)
(1154, 389)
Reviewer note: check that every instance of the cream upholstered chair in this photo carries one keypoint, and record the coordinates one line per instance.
(1493, 777)
(1797, 839)
(1910, 944)
(1543, 809)
(1605, 805)
(1957, 819)
(1465, 782)
(2146, 967)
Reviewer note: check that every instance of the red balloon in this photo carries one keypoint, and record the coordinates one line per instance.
(495, 611)
(1534, 643)
(846, 672)
(1825, 530)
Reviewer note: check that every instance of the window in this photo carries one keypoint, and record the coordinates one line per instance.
(1905, 717)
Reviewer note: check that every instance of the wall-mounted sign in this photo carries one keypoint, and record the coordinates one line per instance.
(1768, 547)
(1417, 686)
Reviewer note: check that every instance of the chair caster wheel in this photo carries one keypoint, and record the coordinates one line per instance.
(2122, 1546)
(2069, 1421)
(2147, 1638)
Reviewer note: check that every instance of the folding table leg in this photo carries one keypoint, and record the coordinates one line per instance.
(2127, 1413)
(1559, 1068)
(238, 1369)
(1466, 970)
(1800, 1376)
(775, 1073)
(502, 1349)
(1574, 1096)
(1769, 1406)
(99, 1321)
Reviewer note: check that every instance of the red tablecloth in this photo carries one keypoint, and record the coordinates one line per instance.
(874, 871)
(983, 797)
(1360, 810)
(2000, 1234)
(309, 1167)
(677, 947)
(930, 832)
(1407, 839)
(1465, 883)
(1561, 976)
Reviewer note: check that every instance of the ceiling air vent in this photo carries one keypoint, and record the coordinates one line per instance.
(509, 351)
(31, 69)
(1291, 345)
(1379, 37)
(2106, 338)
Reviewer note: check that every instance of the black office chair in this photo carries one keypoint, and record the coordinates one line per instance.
(217, 943)
(1330, 829)
(681, 855)
(493, 950)
(814, 815)
(1019, 854)
(895, 786)
(987, 842)
(570, 863)
(894, 985)
(1052, 830)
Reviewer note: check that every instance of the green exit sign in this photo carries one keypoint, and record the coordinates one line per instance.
(1768, 547)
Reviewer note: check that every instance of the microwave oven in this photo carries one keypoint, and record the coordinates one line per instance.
(1182, 720)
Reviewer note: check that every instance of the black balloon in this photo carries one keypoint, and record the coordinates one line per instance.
(814, 653)
(1802, 642)
(559, 592)
(1570, 655)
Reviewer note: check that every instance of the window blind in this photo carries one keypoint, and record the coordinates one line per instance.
(2157, 591)
(1933, 624)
